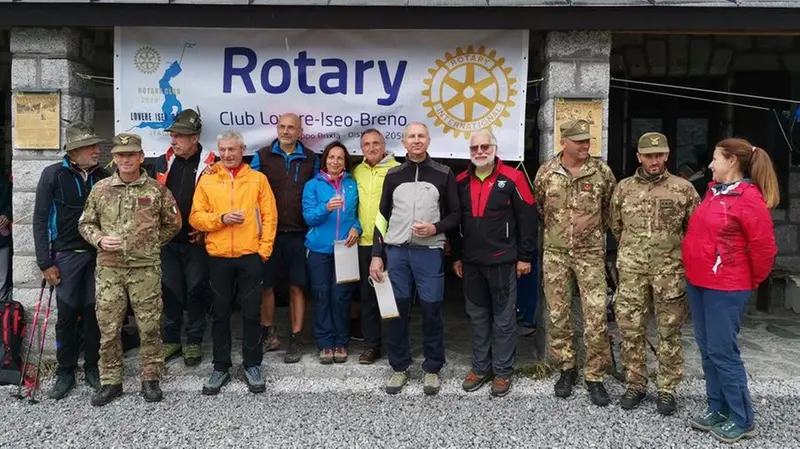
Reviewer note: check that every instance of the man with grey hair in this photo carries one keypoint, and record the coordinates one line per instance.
(419, 204)
(492, 248)
(235, 207)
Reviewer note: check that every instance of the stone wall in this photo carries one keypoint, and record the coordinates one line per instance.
(44, 59)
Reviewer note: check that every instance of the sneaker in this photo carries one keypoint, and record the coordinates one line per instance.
(172, 351)
(215, 383)
(91, 376)
(598, 393)
(666, 403)
(709, 420)
(65, 382)
(106, 394)
(431, 384)
(293, 354)
(730, 432)
(369, 356)
(192, 355)
(565, 382)
(340, 354)
(326, 356)
(151, 391)
(253, 379)
(631, 399)
(501, 386)
(271, 341)
(397, 382)
(473, 382)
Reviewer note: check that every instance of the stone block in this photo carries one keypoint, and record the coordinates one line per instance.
(786, 239)
(546, 148)
(27, 172)
(578, 45)
(88, 110)
(779, 214)
(546, 116)
(22, 206)
(23, 239)
(559, 79)
(794, 182)
(58, 42)
(61, 74)
(604, 145)
(787, 262)
(794, 210)
(595, 77)
(71, 108)
(87, 49)
(23, 73)
(25, 270)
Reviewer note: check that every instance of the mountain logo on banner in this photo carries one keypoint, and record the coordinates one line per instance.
(147, 60)
(469, 91)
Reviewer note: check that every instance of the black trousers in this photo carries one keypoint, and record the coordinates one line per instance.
(370, 312)
(183, 282)
(75, 300)
(242, 275)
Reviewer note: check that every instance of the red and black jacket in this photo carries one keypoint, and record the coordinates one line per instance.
(498, 218)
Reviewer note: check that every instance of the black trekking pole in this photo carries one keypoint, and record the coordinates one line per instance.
(41, 348)
(24, 367)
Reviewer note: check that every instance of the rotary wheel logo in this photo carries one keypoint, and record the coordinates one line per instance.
(147, 60)
(468, 91)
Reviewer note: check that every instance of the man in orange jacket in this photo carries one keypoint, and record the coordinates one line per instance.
(235, 207)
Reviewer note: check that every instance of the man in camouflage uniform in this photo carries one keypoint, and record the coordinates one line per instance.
(128, 217)
(573, 195)
(649, 215)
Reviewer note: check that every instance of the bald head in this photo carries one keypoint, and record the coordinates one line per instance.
(289, 130)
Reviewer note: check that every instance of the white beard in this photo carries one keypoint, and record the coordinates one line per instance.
(489, 161)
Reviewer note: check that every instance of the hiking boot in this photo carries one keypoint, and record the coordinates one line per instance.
(631, 399)
(598, 393)
(215, 383)
(253, 379)
(709, 420)
(369, 356)
(271, 341)
(151, 391)
(565, 382)
(293, 354)
(106, 394)
(501, 386)
(730, 432)
(172, 351)
(65, 382)
(326, 356)
(473, 382)
(431, 384)
(355, 330)
(397, 382)
(340, 354)
(192, 355)
(666, 403)
(91, 376)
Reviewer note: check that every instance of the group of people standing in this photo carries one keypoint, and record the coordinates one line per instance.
(205, 224)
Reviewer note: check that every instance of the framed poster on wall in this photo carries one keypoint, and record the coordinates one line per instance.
(36, 119)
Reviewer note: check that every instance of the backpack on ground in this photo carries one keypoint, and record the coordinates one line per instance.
(12, 334)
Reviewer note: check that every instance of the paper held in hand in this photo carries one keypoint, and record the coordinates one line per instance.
(346, 261)
(385, 294)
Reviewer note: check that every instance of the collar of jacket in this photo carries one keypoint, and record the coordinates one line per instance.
(117, 181)
(72, 166)
(733, 188)
(587, 169)
(220, 170)
(385, 162)
(642, 177)
(298, 153)
(421, 163)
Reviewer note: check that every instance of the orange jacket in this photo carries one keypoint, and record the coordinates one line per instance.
(218, 193)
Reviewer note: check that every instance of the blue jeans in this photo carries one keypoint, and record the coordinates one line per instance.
(331, 302)
(423, 267)
(717, 317)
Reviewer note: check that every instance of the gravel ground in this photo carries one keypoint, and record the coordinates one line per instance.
(356, 413)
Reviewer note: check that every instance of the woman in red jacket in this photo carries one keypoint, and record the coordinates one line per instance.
(729, 249)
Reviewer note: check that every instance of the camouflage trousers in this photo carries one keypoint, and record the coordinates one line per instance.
(589, 271)
(631, 307)
(143, 287)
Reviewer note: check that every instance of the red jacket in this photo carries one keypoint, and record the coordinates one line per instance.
(730, 243)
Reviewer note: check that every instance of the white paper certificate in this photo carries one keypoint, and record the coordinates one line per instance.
(385, 294)
(346, 261)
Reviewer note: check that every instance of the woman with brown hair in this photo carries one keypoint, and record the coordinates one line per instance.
(729, 249)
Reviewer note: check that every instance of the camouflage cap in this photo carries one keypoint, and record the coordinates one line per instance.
(187, 122)
(127, 143)
(79, 135)
(651, 143)
(576, 130)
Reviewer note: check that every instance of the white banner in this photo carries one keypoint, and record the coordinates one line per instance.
(340, 82)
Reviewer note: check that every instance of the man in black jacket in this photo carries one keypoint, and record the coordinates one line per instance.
(67, 261)
(493, 248)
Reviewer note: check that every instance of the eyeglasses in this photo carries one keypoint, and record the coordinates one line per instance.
(483, 147)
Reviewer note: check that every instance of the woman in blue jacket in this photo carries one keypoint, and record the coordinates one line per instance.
(330, 207)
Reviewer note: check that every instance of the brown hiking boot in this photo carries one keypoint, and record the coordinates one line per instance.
(271, 341)
(326, 356)
(369, 356)
(473, 382)
(340, 354)
(500, 386)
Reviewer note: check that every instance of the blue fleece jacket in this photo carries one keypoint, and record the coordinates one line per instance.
(322, 224)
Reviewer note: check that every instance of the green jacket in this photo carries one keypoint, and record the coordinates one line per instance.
(370, 185)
